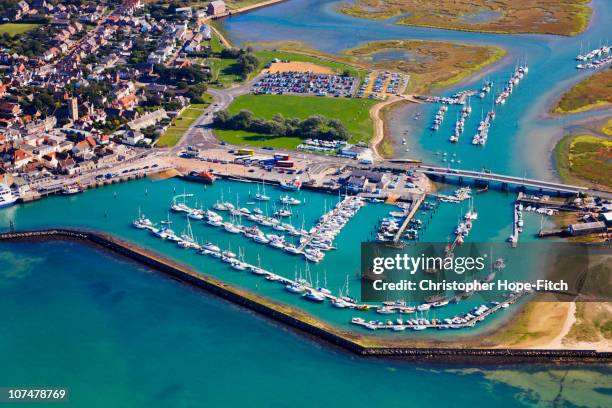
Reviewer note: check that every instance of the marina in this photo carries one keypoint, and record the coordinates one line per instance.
(151, 286)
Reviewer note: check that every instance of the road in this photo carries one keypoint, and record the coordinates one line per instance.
(200, 133)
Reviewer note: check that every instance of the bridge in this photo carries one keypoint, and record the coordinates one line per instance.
(447, 174)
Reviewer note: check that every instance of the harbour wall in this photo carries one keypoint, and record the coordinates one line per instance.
(471, 356)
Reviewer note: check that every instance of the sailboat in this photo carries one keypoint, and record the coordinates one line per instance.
(257, 270)
(186, 239)
(262, 196)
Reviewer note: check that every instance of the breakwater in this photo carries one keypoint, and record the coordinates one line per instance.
(358, 344)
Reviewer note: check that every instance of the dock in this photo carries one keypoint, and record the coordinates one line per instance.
(410, 214)
(515, 226)
(372, 325)
(346, 202)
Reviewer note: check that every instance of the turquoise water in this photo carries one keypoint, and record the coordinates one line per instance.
(118, 335)
(112, 331)
(122, 201)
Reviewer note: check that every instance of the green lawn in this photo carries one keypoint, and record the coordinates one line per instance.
(353, 113)
(265, 57)
(224, 70)
(16, 29)
(180, 125)
(215, 43)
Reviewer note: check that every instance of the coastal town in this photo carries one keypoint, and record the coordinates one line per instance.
(227, 147)
(279, 189)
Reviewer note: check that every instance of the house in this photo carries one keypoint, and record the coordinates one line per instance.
(216, 8)
(20, 158)
(67, 165)
(148, 119)
(361, 180)
(127, 102)
(132, 138)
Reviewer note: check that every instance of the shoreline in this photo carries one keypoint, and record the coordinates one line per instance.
(431, 351)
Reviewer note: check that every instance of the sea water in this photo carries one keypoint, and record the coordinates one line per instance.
(116, 334)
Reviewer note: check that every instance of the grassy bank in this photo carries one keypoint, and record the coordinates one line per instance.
(353, 113)
(594, 92)
(430, 64)
(585, 159)
(180, 124)
(16, 29)
(593, 323)
(562, 17)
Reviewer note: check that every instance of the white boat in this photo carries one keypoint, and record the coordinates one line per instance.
(229, 227)
(384, 310)
(295, 288)
(314, 296)
(239, 265)
(292, 249)
(195, 215)
(261, 239)
(211, 247)
(214, 222)
(424, 307)
(7, 197)
(289, 200)
(71, 190)
(142, 222)
(262, 196)
(283, 213)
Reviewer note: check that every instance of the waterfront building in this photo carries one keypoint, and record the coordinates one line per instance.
(216, 8)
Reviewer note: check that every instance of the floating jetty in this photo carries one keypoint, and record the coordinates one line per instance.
(517, 225)
(409, 216)
(470, 319)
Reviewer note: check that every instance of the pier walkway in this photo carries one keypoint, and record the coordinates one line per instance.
(469, 323)
(413, 209)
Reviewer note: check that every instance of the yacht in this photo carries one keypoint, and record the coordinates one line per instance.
(289, 200)
(7, 197)
(229, 227)
(211, 247)
(314, 296)
(295, 288)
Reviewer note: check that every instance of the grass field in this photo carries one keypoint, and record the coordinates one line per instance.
(224, 70)
(16, 29)
(585, 158)
(353, 113)
(180, 125)
(593, 92)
